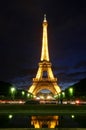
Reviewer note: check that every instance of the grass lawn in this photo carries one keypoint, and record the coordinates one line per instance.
(42, 109)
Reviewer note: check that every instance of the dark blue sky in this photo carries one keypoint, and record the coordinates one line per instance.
(21, 40)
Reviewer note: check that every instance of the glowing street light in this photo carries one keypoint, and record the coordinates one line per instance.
(10, 116)
(28, 95)
(72, 116)
(71, 92)
(63, 94)
(13, 90)
(23, 93)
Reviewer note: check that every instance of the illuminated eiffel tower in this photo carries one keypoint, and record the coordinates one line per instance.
(44, 79)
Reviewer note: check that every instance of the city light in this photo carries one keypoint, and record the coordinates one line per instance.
(63, 94)
(12, 91)
(72, 116)
(10, 116)
(28, 95)
(71, 91)
(23, 93)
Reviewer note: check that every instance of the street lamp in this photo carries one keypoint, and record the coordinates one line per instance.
(23, 93)
(28, 95)
(10, 116)
(63, 94)
(13, 90)
(70, 92)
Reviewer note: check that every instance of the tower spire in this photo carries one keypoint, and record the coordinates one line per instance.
(45, 53)
(45, 17)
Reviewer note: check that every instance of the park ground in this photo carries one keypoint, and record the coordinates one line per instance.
(42, 109)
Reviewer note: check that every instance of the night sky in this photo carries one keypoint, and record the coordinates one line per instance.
(21, 40)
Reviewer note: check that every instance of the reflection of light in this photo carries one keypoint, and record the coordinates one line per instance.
(40, 121)
(35, 122)
(10, 116)
(72, 116)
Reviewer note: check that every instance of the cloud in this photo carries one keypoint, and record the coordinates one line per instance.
(21, 81)
(67, 78)
(77, 75)
(81, 64)
(60, 68)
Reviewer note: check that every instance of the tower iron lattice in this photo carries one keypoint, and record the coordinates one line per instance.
(44, 78)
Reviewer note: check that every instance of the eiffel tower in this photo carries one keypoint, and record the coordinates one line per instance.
(44, 79)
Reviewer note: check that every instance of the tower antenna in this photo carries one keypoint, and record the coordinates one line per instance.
(45, 18)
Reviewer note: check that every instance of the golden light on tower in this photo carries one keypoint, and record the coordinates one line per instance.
(45, 54)
(48, 82)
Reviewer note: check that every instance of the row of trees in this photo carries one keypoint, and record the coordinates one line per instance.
(69, 94)
(76, 91)
(8, 91)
